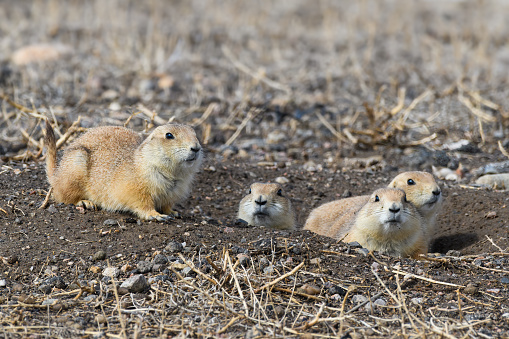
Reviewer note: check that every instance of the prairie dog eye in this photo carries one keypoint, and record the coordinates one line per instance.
(405, 199)
(377, 198)
(249, 191)
(169, 136)
(280, 192)
(411, 182)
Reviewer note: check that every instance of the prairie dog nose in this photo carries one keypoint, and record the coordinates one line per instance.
(196, 148)
(394, 208)
(261, 200)
(436, 191)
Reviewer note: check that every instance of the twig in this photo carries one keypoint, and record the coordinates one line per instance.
(250, 115)
(237, 285)
(331, 128)
(31, 112)
(211, 108)
(258, 76)
(280, 278)
(230, 323)
(46, 199)
(493, 243)
(286, 290)
(373, 298)
(152, 115)
(502, 149)
(474, 110)
(197, 271)
(419, 142)
(426, 279)
(401, 101)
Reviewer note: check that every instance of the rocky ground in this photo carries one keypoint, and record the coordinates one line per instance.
(332, 100)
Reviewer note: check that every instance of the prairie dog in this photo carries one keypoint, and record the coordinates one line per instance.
(421, 190)
(387, 223)
(114, 168)
(265, 205)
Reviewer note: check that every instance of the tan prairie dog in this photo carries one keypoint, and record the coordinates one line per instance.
(387, 223)
(265, 205)
(116, 169)
(421, 190)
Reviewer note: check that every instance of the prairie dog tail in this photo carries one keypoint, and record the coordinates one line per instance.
(51, 153)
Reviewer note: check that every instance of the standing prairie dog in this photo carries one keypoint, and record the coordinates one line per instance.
(265, 205)
(387, 223)
(421, 190)
(114, 168)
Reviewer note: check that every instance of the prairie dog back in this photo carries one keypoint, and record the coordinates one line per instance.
(265, 205)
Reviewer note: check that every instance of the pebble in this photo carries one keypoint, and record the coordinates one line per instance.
(470, 289)
(416, 301)
(174, 247)
(354, 244)
(53, 282)
(52, 209)
(263, 262)
(160, 259)
(282, 180)
(110, 222)
(335, 289)
(268, 270)
(453, 253)
(243, 259)
(3, 283)
(504, 280)
(137, 283)
(101, 319)
(90, 297)
(315, 261)
(49, 302)
(359, 298)
(17, 287)
(94, 269)
(158, 278)
(309, 289)
(144, 266)
(99, 255)
(12, 259)
(111, 272)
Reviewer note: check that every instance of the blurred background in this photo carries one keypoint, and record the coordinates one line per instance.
(339, 76)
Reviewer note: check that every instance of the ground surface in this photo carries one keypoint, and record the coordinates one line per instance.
(289, 90)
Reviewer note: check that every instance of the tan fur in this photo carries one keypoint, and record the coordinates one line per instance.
(115, 169)
(425, 195)
(264, 206)
(387, 223)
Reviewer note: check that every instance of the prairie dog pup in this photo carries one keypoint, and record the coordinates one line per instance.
(114, 168)
(387, 223)
(421, 190)
(265, 205)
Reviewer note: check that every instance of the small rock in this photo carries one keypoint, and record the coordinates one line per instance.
(346, 194)
(354, 244)
(99, 255)
(144, 266)
(49, 302)
(241, 223)
(416, 301)
(268, 270)
(112, 272)
(315, 261)
(504, 280)
(110, 222)
(491, 215)
(493, 290)
(174, 247)
(94, 269)
(160, 259)
(3, 283)
(90, 297)
(26, 299)
(453, 253)
(282, 180)
(126, 268)
(17, 287)
(53, 282)
(470, 289)
(505, 315)
(309, 289)
(335, 289)
(297, 249)
(359, 298)
(52, 209)
(12, 259)
(101, 319)
(159, 278)
(263, 262)
(243, 259)
(137, 283)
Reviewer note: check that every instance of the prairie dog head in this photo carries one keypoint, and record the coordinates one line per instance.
(388, 214)
(421, 190)
(174, 144)
(265, 205)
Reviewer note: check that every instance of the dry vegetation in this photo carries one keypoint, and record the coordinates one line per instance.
(356, 75)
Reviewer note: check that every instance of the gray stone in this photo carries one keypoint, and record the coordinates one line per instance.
(359, 298)
(110, 222)
(99, 255)
(111, 272)
(416, 301)
(160, 259)
(158, 278)
(53, 282)
(49, 302)
(504, 280)
(144, 266)
(268, 270)
(174, 247)
(3, 283)
(137, 283)
(91, 297)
